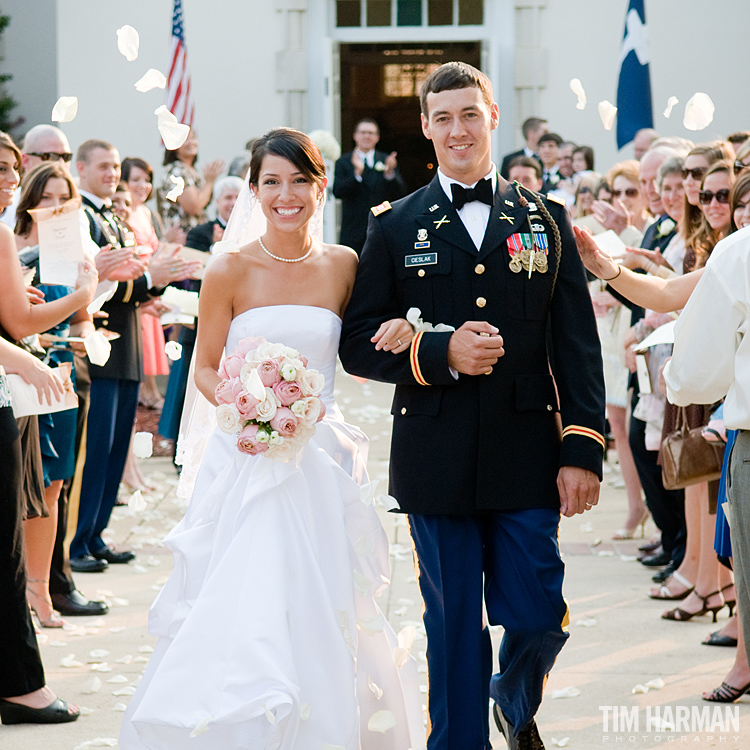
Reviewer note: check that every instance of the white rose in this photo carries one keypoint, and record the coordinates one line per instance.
(298, 408)
(311, 410)
(228, 418)
(275, 438)
(262, 436)
(303, 432)
(291, 353)
(283, 452)
(270, 351)
(295, 362)
(311, 382)
(266, 410)
(246, 371)
(288, 372)
(252, 357)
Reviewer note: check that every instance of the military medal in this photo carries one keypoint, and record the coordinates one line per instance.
(528, 252)
(422, 235)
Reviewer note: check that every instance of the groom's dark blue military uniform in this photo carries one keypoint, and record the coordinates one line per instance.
(475, 459)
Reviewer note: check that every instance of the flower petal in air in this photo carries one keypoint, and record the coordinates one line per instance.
(128, 42)
(143, 444)
(177, 190)
(381, 721)
(152, 79)
(65, 109)
(607, 112)
(173, 133)
(173, 350)
(699, 112)
(670, 104)
(577, 88)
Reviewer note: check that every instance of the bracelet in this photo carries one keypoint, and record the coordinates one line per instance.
(619, 271)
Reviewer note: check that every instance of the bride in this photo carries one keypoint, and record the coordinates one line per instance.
(269, 632)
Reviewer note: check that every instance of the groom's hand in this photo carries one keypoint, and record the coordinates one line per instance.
(475, 348)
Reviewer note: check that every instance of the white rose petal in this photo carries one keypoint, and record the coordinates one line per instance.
(586, 622)
(568, 692)
(137, 502)
(173, 133)
(377, 691)
(118, 678)
(153, 79)
(371, 625)
(129, 690)
(177, 190)
(329, 746)
(656, 684)
(97, 742)
(561, 743)
(119, 602)
(269, 715)
(201, 726)
(173, 350)
(65, 109)
(405, 641)
(94, 685)
(70, 661)
(266, 409)
(98, 654)
(304, 711)
(607, 112)
(146, 649)
(577, 88)
(670, 105)
(361, 582)
(381, 721)
(128, 42)
(699, 112)
(102, 667)
(143, 444)
(228, 418)
(120, 707)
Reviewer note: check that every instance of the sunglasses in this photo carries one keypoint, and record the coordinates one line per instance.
(706, 196)
(630, 192)
(696, 174)
(52, 156)
(583, 190)
(739, 166)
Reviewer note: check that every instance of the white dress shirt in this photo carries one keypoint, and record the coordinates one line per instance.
(712, 350)
(474, 215)
(369, 160)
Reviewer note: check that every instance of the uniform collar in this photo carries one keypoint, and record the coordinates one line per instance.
(95, 200)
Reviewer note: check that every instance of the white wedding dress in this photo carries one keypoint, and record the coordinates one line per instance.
(269, 633)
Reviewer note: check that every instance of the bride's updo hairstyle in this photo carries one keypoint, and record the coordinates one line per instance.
(292, 145)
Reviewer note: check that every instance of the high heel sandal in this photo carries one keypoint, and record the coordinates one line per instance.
(731, 603)
(54, 620)
(726, 693)
(56, 713)
(665, 593)
(623, 534)
(682, 615)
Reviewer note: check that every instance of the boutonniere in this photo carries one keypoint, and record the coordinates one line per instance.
(379, 166)
(554, 178)
(665, 227)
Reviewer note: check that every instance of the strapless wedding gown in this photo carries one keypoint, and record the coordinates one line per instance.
(270, 636)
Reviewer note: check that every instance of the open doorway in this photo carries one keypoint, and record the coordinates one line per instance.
(382, 81)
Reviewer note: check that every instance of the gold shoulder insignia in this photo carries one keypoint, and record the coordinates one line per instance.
(555, 199)
(381, 209)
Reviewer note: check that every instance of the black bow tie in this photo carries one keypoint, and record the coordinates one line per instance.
(482, 191)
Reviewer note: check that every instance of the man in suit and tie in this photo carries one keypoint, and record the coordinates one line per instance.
(364, 178)
(114, 385)
(493, 437)
(532, 129)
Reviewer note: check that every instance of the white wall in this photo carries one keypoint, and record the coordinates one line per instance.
(691, 50)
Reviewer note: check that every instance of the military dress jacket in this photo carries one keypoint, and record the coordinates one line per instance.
(494, 442)
(126, 358)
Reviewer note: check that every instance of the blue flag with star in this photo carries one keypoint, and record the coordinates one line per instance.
(634, 110)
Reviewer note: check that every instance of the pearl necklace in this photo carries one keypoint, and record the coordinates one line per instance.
(286, 260)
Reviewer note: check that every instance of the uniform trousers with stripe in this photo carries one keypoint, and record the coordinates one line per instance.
(112, 408)
(511, 561)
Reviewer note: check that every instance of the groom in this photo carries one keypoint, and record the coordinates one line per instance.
(497, 425)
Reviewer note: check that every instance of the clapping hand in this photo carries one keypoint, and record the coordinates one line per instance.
(213, 169)
(603, 266)
(87, 279)
(358, 163)
(393, 336)
(613, 215)
(175, 233)
(218, 233)
(165, 267)
(118, 264)
(390, 165)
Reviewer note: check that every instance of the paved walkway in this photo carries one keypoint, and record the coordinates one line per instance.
(617, 638)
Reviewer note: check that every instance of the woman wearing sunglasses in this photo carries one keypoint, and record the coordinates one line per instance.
(626, 192)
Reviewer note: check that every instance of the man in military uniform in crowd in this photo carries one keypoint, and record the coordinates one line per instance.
(493, 435)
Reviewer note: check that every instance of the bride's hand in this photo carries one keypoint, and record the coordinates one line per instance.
(600, 264)
(393, 336)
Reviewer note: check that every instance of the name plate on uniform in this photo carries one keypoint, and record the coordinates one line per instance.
(427, 259)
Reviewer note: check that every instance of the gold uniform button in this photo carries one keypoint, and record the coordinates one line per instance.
(403, 410)
(420, 272)
(481, 301)
(479, 268)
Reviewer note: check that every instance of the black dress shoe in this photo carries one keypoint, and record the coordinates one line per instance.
(662, 575)
(657, 560)
(527, 739)
(650, 546)
(112, 557)
(56, 713)
(87, 564)
(75, 603)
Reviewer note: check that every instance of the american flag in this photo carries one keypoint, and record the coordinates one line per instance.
(179, 93)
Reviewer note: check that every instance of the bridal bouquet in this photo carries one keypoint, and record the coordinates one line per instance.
(269, 399)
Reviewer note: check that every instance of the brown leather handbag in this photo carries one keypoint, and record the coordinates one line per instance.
(688, 458)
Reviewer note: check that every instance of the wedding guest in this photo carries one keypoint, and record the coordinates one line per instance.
(549, 149)
(364, 177)
(585, 194)
(583, 159)
(737, 139)
(742, 157)
(526, 171)
(565, 159)
(188, 209)
(642, 141)
(532, 129)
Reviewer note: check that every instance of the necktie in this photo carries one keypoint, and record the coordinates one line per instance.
(482, 192)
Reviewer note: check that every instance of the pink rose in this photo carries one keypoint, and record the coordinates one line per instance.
(287, 392)
(322, 411)
(224, 393)
(268, 370)
(304, 360)
(248, 344)
(237, 387)
(247, 443)
(246, 404)
(284, 422)
(231, 367)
